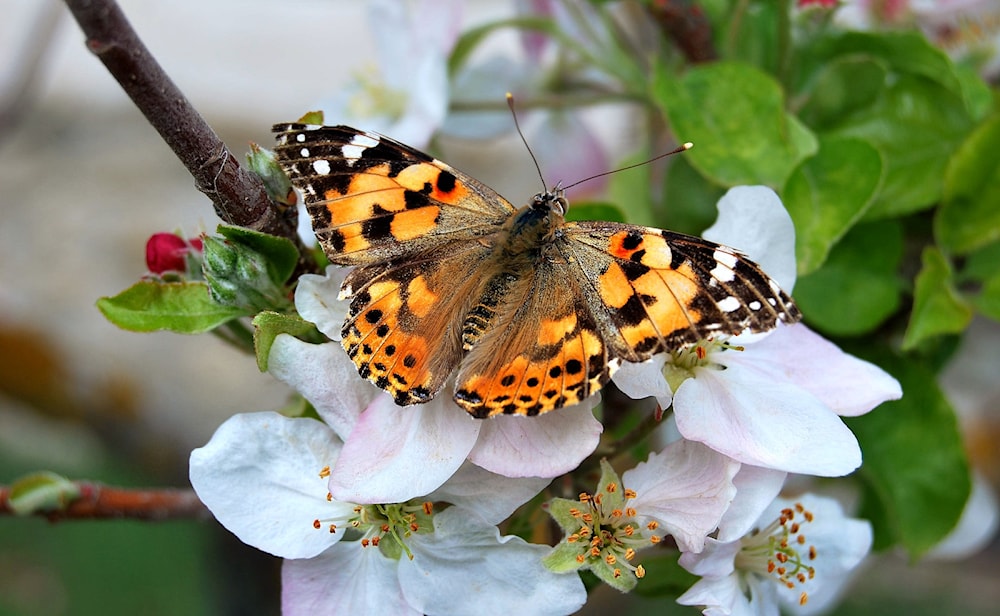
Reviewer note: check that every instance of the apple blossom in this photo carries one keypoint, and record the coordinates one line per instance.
(264, 478)
(799, 555)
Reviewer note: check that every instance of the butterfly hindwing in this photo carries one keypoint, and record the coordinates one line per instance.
(663, 290)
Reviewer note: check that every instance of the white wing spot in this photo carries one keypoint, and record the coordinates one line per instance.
(321, 167)
(754, 305)
(772, 301)
(724, 264)
(729, 304)
(304, 152)
(300, 137)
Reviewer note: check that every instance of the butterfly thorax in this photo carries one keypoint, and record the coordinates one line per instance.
(522, 242)
(533, 226)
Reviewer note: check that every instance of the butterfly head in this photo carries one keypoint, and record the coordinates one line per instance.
(551, 201)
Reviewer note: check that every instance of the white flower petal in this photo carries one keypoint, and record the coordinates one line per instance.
(841, 544)
(848, 385)
(466, 567)
(544, 446)
(644, 379)
(756, 489)
(686, 488)
(753, 220)
(316, 300)
(717, 560)
(720, 596)
(743, 414)
(398, 453)
(326, 377)
(346, 579)
(260, 477)
(494, 497)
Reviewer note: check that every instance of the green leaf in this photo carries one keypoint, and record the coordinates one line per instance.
(689, 200)
(937, 307)
(595, 210)
(828, 193)
(183, 307)
(281, 254)
(311, 117)
(916, 125)
(266, 327)
(41, 491)
(664, 576)
(987, 301)
(904, 52)
(858, 287)
(969, 216)
(914, 461)
(735, 115)
(842, 87)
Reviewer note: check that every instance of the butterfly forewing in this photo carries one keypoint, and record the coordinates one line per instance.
(372, 199)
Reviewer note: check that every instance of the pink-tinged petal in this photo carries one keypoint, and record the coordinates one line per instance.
(494, 574)
(544, 446)
(326, 377)
(848, 385)
(260, 477)
(756, 489)
(346, 579)
(686, 488)
(745, 414)
(494, 497)
(716, 594)
(398, 453)
(641, 380)
(753, 220)
(316, 300)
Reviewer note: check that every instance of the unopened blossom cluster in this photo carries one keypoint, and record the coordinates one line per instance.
(377, 508)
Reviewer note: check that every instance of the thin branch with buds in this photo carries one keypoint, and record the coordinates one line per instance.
(97, 502)
(237, 194)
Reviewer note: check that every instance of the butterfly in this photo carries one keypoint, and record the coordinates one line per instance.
(533, 312)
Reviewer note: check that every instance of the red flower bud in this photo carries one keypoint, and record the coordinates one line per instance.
(167, 252)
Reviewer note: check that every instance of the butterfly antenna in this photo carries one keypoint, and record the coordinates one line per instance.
(678, 150)
(510, 103)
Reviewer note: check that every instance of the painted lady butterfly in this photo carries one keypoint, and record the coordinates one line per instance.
(534, 312)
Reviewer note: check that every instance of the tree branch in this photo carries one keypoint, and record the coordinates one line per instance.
(237, 194)
(98, 502)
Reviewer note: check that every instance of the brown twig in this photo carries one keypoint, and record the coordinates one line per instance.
(237, 194)
(684, 21)
(100, 502)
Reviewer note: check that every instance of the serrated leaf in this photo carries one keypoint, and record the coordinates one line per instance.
(280, 253)
(266, 327)
(858, 287)
(842, 87)
(937, 307)
(904, 52)
(828, 193)
(40, 492)
(969, 216)
(914, 461)
(916, 125)
(311, 117)
(735, 114)
(182, 307)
